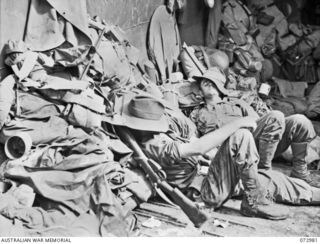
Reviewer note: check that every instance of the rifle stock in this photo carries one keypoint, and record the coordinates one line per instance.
(189, 207)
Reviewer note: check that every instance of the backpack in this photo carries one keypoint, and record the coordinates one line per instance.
(113, 63)
(237, 21)
(280, 22)
(304, 69)
(273, 32)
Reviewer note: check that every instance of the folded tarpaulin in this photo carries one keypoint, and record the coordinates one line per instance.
(16, 220)
(77, 174)
(50, 23)
(37, 222)
(42, 119)
(74, 151)
(79, 191)
(71, 56)
(57, 83)
(70, 188)
(41, 131)
(33, 106)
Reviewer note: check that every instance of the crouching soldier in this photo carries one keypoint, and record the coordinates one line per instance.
(274, 132)
(237, 158)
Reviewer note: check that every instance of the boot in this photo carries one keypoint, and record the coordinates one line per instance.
(315, 196)
(300, 167)
(266, 152)
(256, 203)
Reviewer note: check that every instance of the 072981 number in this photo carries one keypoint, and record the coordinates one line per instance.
(308, 240)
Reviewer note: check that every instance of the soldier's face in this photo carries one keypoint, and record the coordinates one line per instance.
(209, 89)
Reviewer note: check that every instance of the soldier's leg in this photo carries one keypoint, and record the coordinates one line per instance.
(267, 136)
(299, 132)
(285, 189)
(237, 154)
(237, 159)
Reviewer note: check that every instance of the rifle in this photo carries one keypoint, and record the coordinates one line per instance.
(193, 58)
(93, 50)
(155, 174)
(113, 33)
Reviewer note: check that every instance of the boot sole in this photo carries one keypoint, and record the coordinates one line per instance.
(263, 216)
(310, 183)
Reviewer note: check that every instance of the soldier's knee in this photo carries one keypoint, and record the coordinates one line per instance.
(300, 128)
(242, 133)
(300, 120)
(277, 116)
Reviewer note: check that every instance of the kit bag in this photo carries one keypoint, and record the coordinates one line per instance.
(113, 62)
(237, 21)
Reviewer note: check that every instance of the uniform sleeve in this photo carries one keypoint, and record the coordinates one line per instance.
(163, 150)
(181, 125)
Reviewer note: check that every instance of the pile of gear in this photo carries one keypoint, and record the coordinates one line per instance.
(66, 172)
(72, 169)
(266, 43)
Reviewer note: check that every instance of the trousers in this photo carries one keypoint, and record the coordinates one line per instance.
(288, 190)
(238, 154)
(274, 127)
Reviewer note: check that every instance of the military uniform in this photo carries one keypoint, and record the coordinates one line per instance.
(274, 133)
(236, 159)
(208, 118)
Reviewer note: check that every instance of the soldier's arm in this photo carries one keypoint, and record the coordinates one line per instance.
(213, 139)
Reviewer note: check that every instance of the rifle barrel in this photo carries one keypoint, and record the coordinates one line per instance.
(96, 46)
(189, 207)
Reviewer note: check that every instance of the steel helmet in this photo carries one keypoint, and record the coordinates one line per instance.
(220, 59)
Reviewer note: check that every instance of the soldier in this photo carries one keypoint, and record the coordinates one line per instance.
(274, 132)
(236, 159)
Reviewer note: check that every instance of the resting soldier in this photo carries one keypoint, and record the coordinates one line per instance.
(236, 159)
(274, 132)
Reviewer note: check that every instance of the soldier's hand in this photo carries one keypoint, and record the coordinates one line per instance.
(204, 160)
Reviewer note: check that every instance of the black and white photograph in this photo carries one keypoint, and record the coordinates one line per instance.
(147, 119)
